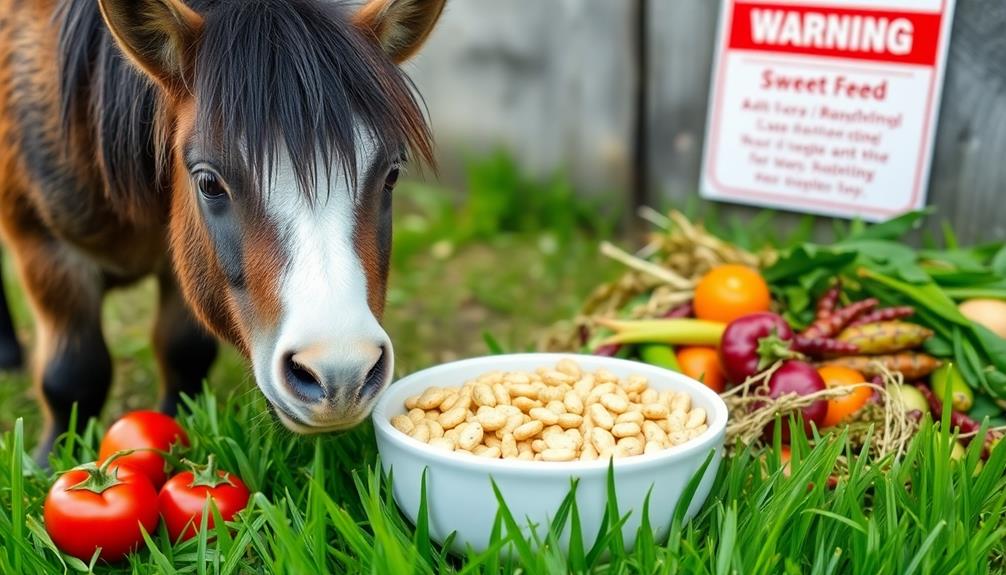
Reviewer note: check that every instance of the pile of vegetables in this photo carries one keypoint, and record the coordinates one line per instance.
(103, 509)
(865, 334)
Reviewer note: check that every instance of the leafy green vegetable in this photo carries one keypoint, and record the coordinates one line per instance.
(985, 407)
(893, 229)
(807, 258)
(998, 263)
(937, 346)
(958, 277)
(927, 295)
(874, 260)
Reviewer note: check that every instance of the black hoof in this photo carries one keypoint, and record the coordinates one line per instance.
(11, 357)
(43, 449)
(169, 405)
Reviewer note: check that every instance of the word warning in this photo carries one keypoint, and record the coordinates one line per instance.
(826, 107)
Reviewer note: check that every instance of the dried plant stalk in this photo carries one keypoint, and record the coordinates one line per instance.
(887, 429)
(665, 272)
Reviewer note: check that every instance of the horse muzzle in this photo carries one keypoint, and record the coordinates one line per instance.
(324, 387)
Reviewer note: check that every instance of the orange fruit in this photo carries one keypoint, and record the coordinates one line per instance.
(730, 291)
(703, 364)
(843, 407)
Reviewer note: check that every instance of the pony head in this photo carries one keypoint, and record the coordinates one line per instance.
(282, 128)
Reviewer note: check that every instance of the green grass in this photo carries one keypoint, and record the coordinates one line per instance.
(321, 507)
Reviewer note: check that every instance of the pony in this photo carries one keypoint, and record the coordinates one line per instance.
(244, 152)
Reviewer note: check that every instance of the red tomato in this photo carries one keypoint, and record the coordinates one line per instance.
(107, 514)
(183, 497)
(140, 430)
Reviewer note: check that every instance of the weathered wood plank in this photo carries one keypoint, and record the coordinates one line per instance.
(681, 42)
(552, 82)
(969, 169)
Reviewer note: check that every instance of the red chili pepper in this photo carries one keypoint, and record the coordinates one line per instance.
(961, 421)
(837, 321)
(823, 346)
(826, 305)
(883, 314)
(934, 404)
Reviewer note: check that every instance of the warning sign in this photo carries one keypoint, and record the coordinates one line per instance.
(826, 107)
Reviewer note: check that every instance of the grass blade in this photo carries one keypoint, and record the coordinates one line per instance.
(728, 537)
(422, 536)
(616, 542)
(492, 344)
(514, 533)
(924, 548)
(17, 496)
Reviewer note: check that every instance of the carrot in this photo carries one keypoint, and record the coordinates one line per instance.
(885, 336)
(823, 346)
(884, 314)
(826, 305)
(837, 321)
(912, 365)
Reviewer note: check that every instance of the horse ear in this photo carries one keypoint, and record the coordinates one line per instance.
(155, 34)
(400, 26)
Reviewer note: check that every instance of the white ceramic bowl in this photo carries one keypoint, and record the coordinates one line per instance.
(459, 492)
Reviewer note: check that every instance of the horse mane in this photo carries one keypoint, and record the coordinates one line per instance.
(269, 74)
(100, 92)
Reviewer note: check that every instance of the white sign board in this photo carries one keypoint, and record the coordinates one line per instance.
(826, 107)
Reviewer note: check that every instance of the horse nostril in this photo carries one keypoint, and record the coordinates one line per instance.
(302, 381)
(374, 380)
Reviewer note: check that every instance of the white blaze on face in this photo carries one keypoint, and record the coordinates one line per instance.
(325, 321)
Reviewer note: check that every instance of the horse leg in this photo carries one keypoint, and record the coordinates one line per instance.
(184, 349)
(10, 348)
(72, 365)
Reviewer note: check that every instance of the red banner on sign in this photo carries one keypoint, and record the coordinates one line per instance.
(861, 34)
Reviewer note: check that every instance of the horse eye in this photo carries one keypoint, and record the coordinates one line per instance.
(209, 185)
(391, 179)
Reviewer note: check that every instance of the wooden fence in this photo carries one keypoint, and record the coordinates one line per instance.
(615, 92)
